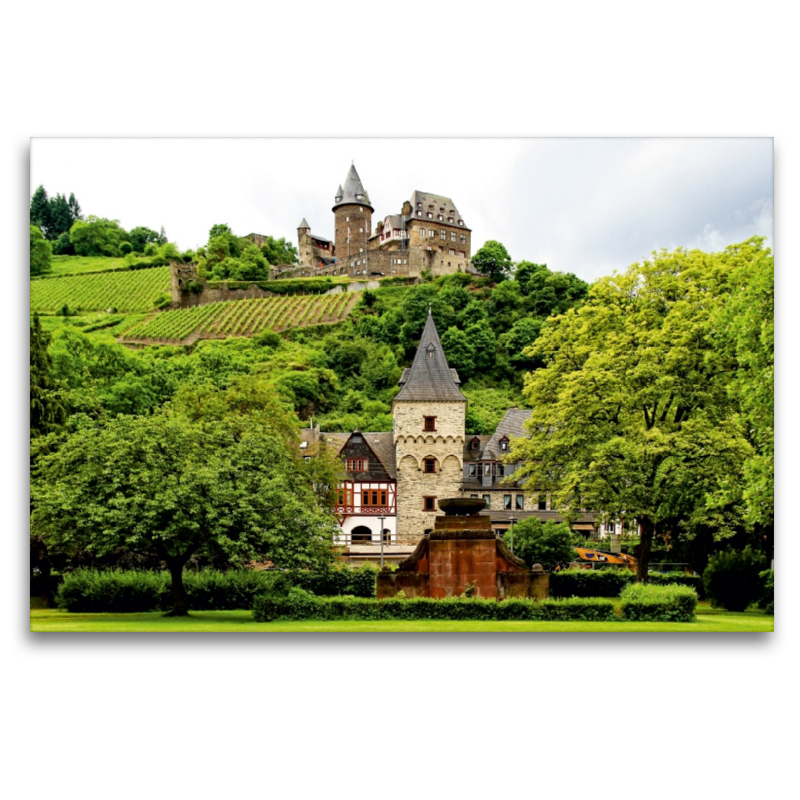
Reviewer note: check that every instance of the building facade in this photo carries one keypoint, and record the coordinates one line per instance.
(395, 480)
(428, 234)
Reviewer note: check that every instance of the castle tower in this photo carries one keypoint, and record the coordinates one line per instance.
(304, 243)
(353, 215)
(429, 416)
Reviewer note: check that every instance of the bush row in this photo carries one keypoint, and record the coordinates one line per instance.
(645, 603)
(611, 582)
(122, 591)
(298, 604)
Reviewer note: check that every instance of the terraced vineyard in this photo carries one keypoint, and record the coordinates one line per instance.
(240, 318)
(126, 291)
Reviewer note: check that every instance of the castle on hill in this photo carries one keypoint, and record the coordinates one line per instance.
(394, 480)
(428, 234)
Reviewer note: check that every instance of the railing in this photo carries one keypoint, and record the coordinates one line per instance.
(374, 511)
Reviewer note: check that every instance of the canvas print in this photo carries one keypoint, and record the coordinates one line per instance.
(424, 385)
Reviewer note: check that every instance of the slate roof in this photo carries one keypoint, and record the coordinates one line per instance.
(352, 189)
(437, 201)
(382, 445)
(512, 426)
(430, 379)
(303, 224)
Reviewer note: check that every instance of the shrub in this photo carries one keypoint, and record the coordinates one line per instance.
(732, 580)
(768, 597)
(194, 286)
(681, 578)
(299, 605)
(125, 248)
(267, 339)
(645, 603)
(88, 590)
(548, 544)
(589, 582)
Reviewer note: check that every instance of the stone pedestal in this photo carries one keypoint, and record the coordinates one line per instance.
(461, 552)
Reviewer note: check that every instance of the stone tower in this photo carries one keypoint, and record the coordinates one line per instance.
(304, 246)
(353, 215)
(429, 415)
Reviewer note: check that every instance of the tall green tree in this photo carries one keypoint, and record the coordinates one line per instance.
(493, 260)
(279, 251)
(96, 236)
(41, 252)
(40, 210)
(215, 473)
(140, 237)
(47, 409)
(631, 413)
(550, 544)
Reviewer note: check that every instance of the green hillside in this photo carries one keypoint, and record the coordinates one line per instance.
(123, 291)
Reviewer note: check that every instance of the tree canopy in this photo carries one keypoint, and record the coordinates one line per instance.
(213, 472)
(550, 544)
(493, 260)
(632, 416)
(41, 252)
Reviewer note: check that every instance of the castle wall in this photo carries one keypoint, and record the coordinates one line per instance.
(412, 446)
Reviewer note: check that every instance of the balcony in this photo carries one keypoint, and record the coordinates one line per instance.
(374, 511)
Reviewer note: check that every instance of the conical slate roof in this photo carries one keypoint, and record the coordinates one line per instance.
(353, 192)
(429, 378)
(303, 224)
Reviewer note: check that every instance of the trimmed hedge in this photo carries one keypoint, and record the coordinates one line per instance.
(208, 590)
(118, 591)
(610, 582)
(645, 603)
(301, 605)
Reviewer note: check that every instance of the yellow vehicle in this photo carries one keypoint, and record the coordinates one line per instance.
(589, 555)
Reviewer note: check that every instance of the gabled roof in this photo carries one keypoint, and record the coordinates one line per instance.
(429, 378)
(353, 192)
(382, 444)
(438, 201)
(511, 426)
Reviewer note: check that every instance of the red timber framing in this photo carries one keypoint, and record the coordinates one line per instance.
(375, 498)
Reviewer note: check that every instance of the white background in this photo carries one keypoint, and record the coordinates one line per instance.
(451, 716)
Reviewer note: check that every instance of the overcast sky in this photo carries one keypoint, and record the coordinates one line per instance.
(588, 206)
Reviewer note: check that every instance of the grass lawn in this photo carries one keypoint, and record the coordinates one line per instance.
(56, 620)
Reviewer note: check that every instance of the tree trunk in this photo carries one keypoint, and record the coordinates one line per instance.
(179, 607)
(643, 561)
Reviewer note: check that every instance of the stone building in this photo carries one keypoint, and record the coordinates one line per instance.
(429, 234)
(395, 480)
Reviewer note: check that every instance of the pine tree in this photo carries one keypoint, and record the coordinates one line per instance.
(74, 209)
(40, 210)
(47, 411)
(60, 217)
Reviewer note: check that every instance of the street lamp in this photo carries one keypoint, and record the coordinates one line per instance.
(512, 519)
(381, 518)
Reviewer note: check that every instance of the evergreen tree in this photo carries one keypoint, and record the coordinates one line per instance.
(60, 217)
(40, 210)
(47, 411)
(74, 209)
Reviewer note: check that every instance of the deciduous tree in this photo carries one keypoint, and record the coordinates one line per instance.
(41, 252)
(493, 260)
(631, 412)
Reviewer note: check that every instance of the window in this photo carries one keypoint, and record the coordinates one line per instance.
(450, 220)
(461, 222)
(463, 238)
(520, 502)
(472, 472)
(431, 233)
(507, 502)
(487, 498)
(357, 465)
(361, 230)
(430, 216)
(419, 205)
(451, 252)
(542, 502)
(504, 443)
(306, 459)
(453, 236)
(373, 497)
(419, 213)
(429, 504)
(474, 496)
(347, 219)
(430, 424)
(474, 444)
(429, 465)
(303, 445)
(444, 234)
(422, 231)
(441, 218)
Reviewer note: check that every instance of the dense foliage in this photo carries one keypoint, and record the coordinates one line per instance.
(632, 414)
(54, 216)
(610, 582)
(548, 543)
(642, 603)
(298, 604)
(732, 578)
(41, 253)
(215, 471)
(121, 591)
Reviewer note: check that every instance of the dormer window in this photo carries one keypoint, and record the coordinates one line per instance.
(475, 444)
(419, 205)
(504, 443)
(430, 350)
(461, 222)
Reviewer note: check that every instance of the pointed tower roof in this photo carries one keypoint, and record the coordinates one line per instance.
(430, 378)
(354, 191)
(303, 224)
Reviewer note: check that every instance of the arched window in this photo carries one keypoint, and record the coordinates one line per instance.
(361, 534)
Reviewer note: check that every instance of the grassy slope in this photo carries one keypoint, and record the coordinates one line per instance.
(56, 620)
